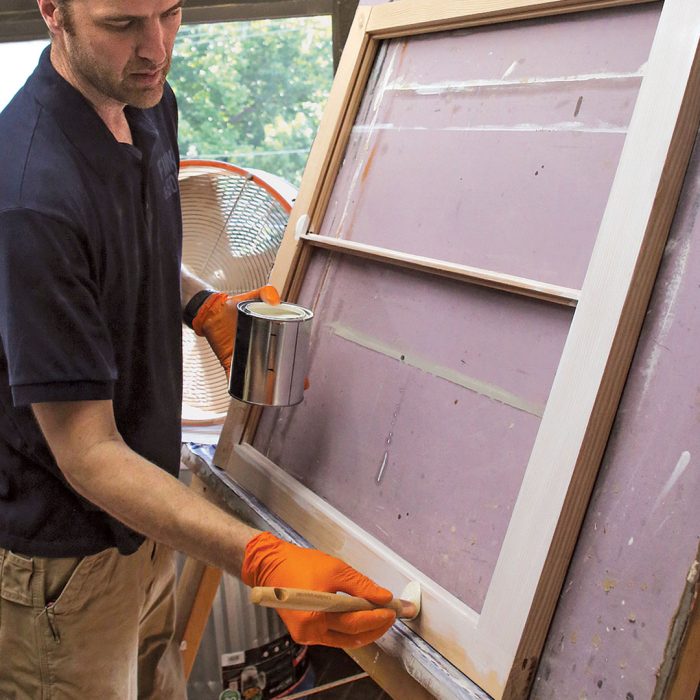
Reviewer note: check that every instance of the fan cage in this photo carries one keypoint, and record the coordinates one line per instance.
(233, 224)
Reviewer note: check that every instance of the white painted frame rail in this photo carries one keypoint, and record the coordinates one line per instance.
(475, 275)
(499, 647)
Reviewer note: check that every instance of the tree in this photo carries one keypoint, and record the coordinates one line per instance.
(252, 93)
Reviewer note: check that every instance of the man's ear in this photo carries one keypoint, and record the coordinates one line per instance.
(51, 15)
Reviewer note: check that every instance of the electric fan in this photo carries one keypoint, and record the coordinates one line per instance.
(233, 223)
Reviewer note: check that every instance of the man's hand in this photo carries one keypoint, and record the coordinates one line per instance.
(269, 561)
(217, 317)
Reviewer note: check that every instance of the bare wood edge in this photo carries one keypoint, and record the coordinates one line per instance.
(186, 591)
(320, 157)
(197, 586)
(395, 20)
(388, 673)
(199, 615)
(687, 678)
(474, 275)
(678, 677)
(332, 685)
(422, 662)
(617, 334)
(234, 425)
(444, 620)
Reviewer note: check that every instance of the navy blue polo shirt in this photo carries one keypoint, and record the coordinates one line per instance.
(90, 250)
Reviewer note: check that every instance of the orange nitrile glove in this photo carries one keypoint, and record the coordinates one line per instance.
(270, 561)
(217, 317)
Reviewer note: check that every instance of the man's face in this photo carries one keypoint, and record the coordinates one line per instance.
(119, 50)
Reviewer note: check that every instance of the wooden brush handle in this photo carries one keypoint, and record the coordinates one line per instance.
(317, 601)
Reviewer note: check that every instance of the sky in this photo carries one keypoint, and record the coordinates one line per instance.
(18, 61)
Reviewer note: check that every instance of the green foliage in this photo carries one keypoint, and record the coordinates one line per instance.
(252, 93)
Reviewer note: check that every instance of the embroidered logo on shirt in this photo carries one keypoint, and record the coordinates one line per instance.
(167, 167)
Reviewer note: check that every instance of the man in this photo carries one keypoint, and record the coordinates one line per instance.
(90, 378)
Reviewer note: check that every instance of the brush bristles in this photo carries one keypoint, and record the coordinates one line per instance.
(410, 601)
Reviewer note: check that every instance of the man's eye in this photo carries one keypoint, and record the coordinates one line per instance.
(120, 26)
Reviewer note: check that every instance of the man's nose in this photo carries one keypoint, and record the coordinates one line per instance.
(152, 43)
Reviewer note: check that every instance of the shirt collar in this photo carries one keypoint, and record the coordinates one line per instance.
(80, 122)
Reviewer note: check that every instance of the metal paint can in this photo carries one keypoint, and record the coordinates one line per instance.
(270, 353)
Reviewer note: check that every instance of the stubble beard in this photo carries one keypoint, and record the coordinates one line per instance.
(107, 84)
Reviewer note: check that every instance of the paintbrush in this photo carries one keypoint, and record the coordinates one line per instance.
(407, 606)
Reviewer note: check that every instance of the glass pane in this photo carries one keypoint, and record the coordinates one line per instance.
(425, 400)
(252, 93)
(495, 147)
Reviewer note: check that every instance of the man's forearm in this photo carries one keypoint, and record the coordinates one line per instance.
(96, 461)
(157, 505)
(102, 468)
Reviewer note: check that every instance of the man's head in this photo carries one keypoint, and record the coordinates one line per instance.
(113, 51)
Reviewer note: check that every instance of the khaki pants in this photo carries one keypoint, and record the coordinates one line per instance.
(92, 627)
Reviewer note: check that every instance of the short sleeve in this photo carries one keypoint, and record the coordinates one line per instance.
(56, 342)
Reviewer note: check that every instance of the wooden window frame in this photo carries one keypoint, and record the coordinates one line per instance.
(499, 647)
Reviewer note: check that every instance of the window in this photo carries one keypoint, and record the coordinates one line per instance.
(252, 93)
(22, 56)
